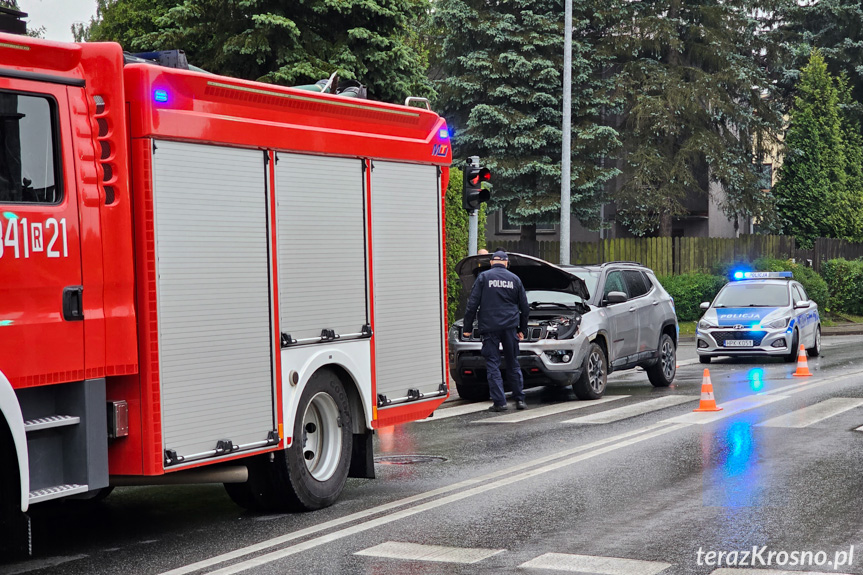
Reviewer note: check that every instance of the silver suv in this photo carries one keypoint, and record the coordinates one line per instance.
(585, 322)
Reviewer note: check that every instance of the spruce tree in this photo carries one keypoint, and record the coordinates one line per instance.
(501, 93)
(693, 82)
(811, 191)
(835, 27)
(281, 42)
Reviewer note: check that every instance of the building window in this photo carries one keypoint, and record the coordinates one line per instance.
(765, 177)
(28, 145)
(506, 227)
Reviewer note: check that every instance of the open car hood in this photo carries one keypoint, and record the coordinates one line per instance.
(534, 273)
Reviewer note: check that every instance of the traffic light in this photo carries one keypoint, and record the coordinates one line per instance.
(474, 194)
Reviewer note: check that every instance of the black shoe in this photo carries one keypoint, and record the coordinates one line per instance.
(498, 408)
(519, 405)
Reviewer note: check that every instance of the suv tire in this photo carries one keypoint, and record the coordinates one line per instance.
(662, 373)
(704, 358)
(594, 374)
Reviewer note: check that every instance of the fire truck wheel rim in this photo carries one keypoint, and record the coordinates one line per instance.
(322, 438)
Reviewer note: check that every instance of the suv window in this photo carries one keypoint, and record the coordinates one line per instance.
(27, 150)
(636, 283)
(614, 282)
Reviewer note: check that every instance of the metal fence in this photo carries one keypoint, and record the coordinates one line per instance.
(668, 256)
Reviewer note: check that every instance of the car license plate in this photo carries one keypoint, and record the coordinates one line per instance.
(738, 343)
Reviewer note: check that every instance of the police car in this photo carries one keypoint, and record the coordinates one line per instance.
(759, 313)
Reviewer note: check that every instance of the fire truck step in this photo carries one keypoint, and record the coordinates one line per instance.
(55, 492)
(50, 421)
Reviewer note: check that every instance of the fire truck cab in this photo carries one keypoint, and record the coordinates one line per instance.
(205, 279)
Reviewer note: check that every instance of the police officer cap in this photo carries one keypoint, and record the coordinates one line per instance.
(499, 256)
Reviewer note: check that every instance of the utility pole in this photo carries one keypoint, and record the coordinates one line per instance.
(567, 134)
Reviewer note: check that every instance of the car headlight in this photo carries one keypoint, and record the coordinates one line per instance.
(704, 324)
(776, 323)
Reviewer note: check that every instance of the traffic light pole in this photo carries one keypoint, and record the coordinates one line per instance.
(472, 218)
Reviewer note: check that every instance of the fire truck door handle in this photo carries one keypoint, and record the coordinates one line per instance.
(73, 303)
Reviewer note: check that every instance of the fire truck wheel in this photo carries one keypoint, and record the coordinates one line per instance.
(14, 525)
(311, 473)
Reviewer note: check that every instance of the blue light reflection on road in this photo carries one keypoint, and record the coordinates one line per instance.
(756, 379)
(732, 473)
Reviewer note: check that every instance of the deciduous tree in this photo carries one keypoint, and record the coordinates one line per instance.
(693, 78)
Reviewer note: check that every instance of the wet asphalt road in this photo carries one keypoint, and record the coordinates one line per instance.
(654, 487)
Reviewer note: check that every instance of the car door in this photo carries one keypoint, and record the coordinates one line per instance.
(41, 293)
(803, 317)
(622, 321)
(648, 329)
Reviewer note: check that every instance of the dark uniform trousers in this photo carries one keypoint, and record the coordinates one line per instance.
(491, 342)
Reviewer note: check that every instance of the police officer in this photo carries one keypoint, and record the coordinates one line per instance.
(503, 311)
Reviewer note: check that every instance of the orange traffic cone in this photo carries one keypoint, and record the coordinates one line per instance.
(802, 364)
(708, 402)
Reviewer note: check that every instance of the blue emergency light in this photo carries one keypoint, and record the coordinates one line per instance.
(761, 275)
(444, 133)
(160, 95)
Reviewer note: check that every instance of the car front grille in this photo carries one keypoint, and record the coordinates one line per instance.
(534, 333)
(722, 336)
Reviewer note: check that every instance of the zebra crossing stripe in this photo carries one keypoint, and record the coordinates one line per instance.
(814, 413)
(528, 414)
(438, 553)
(457, 410)
(633, 410)
(595, 565)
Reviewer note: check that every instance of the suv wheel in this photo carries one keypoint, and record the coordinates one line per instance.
(594, 374)
(661, 374)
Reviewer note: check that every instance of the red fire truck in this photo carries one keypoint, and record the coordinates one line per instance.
(205, 279)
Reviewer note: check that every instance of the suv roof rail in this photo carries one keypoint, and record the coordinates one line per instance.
(621, 262)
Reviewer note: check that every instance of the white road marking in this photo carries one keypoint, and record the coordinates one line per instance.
(628, 411)
(528, 414)
(458, 410)
(592, 564)
(362, 515)
(37, 564)
(439, 553)
(639, 436)
(729, 408)
(814, 413)
(859, 428)
(732, 571)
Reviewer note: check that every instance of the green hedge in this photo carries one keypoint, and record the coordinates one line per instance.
(845, 283)
(689, 290)
(456, 239)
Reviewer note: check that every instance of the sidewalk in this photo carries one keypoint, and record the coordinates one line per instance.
(843, 329)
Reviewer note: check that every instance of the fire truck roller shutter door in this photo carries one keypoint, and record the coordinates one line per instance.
(215, 344)
(322, 246)
(406, 247)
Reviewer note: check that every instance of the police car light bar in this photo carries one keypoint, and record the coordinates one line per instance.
(761, 275)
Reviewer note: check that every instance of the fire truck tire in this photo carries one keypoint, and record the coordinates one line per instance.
(14, 525)
(311, 473)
